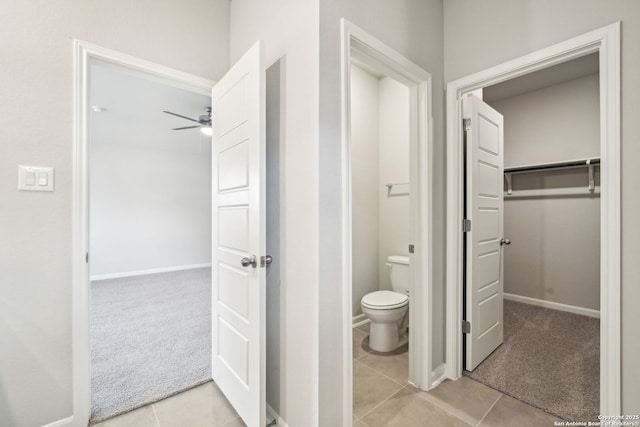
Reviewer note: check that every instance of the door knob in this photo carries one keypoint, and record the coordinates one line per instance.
(504, 241)
(246, 262)
(265, 260)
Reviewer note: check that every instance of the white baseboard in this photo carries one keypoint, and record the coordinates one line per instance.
(359, 320)
(61, 423)
(145, 272)
(438, 375)
(553, 305)
(273, 415)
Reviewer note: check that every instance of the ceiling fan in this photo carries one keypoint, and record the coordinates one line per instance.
(204, 121)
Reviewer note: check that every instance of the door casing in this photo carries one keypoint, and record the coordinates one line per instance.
(373, 52)
(606, 42)
(84, 53)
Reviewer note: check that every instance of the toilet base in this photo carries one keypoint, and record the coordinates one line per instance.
(385, 337)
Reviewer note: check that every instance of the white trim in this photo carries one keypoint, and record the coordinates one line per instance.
(553, 305)
(273, 415)
(438, 375)
(60, 423)
(357, 42)
(359, 320)
(605, 41)
(83, 54)
(99, 277)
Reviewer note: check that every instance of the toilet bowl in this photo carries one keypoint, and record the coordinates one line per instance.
(387, 309)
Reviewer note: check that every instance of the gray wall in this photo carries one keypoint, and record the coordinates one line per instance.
(273, 274)
(289, 30)
(379, 155)
(555, 250)
(37, 129)
(414, 28)
(364, 183)
(394, 220)
(479, 35)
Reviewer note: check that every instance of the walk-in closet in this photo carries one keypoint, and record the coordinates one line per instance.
(550, 354)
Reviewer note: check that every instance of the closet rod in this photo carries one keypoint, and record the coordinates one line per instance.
(547, 166)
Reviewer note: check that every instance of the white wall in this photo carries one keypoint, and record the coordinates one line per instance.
(289, 29)
(479, 35)
(37, 129)
(379, 155)
(150, 192)
(552, 124)
(364, 184)
(394, 220)
(555, 250)
(414, 28)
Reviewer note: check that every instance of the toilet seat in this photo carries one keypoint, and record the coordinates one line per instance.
(384, 300)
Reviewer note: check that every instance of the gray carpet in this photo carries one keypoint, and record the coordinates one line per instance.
(549, 359)
(150, 339)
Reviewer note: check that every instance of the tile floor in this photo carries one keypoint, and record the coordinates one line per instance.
(202, 406)
(382, 397)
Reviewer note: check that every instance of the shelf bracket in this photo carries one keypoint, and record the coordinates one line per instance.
(592, 186)
(507, 177)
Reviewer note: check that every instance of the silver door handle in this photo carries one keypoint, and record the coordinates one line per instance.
(504, 241)
(265, 260)
(246, 262)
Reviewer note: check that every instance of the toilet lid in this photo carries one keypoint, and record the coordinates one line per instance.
(384, 300)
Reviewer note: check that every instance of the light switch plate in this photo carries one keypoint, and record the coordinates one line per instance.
(35, 178)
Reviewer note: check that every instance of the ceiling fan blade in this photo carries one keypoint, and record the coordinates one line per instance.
(178, 115)
(186, 127)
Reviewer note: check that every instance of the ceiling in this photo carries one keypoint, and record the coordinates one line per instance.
(132, 104)
(560, 73)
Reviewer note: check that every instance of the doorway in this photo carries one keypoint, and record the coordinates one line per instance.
(149, 227)
(545, 251)
(232, 197)
(411, 187)
(136, 164)
(605, 43)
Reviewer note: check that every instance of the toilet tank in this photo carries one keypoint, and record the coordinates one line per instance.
(399, 273)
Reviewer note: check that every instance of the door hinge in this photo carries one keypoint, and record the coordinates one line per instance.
(412, 249)
(466, 225)
(466, 124)
(466, 327)
(86, 257)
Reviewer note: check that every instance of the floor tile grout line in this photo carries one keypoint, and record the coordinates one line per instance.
(375, 407)
(489, 410)
(386, 377)
(435, 402)
(230, 421)
(378, 372)
(155, 414)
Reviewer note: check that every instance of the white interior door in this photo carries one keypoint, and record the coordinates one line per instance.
(238, 233)
(484, 207)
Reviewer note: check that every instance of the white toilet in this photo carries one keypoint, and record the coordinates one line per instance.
(387, 309)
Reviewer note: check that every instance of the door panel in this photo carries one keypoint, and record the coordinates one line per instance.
(484, 201)
(238, 231)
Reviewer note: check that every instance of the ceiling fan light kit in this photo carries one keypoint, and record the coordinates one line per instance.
(204, 121)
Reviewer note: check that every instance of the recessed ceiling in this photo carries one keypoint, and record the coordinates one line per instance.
(560, 73)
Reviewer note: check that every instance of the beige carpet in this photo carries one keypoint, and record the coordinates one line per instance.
(549, 359)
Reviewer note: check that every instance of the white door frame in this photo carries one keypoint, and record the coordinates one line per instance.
(605, 41)
(375, 53)
(83, 54)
